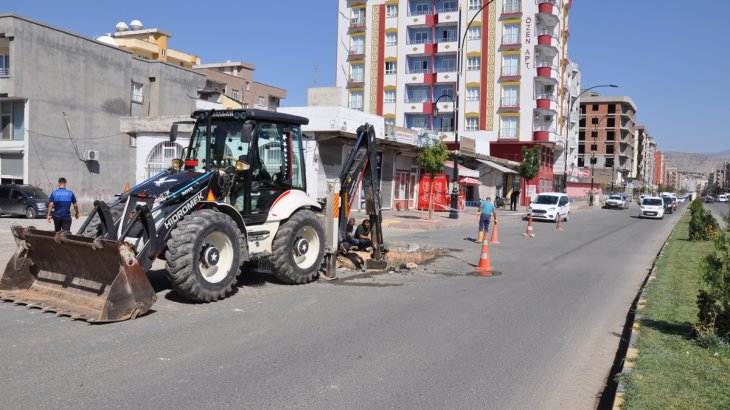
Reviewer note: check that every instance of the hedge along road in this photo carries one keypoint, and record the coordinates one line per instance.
(540, 335)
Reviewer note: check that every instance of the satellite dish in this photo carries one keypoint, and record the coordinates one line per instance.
(136, 25)
(122, 26)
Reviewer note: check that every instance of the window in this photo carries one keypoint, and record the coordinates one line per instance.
(357, 45)
(473, 63)
(357, 73)
(137, 96)
(508, 127)
(446, 34)
(594, 121)
(417, 94)
(416, 121)
(581, 162)
(245, 105)
(472, 93)
(421, 37)
(474, 33)
(235, 94)
(420, 8)
(512, 6)
(611, 123)
(390, 121)
(609, 149)
(475, 4)
(472, 123)
(581, 136)
(511, 34)
(612, 109)
(358, 17)
(609, 162)
(262, 101)
(356, 100)
(390, 67)
(161, 156)
(6, 124)
(4, 65)
(610, 135)
(447, 6)
(510, 66)
(595, 107)
(389, 96)
(445, 124)
(446, 91)
(510, 96)
(391, 38)
(419, 66)
(447, 65)
(248, 86)
(391, 10)
(581, 149)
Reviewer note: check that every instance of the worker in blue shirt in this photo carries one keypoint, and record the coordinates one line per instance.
(59, 207)
(486, 210)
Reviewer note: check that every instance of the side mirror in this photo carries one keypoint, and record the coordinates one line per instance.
(247, 132)
(173, 132)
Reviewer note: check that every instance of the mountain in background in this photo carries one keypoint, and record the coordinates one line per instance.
(697, 162)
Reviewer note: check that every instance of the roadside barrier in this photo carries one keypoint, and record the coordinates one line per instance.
(529, 233)
(484, 267)
(494, 239)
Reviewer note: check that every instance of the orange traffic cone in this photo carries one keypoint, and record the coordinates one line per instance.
(484, 268)
(529, 233)
(495, 235)
(559, 225)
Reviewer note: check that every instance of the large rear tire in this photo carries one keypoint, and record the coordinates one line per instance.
(204, 256)
(94, 229)
(298, 249)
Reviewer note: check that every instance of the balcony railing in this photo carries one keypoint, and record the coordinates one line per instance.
(446, 9)
(545, 127)
(411, 41)
(445, 69)
(417, 100)
(449, 39)
(509, 102)
(511, 39)
(444, 128)
(420, 12)
(546, 96)
(418, 70)
(4, 71)
(357, 51)
(510, 72)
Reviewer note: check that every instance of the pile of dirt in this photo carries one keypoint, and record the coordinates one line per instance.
(400, 257)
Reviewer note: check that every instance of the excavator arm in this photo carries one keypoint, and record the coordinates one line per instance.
(362, 165)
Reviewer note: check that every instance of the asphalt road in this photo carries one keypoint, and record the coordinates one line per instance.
(541, 334)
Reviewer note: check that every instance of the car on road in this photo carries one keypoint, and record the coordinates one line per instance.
(25, 200)
(708, 199)
(722, 198)
(550, 206)
(652, 207)
(618, 201)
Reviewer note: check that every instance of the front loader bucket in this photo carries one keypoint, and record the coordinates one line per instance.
(84, 278)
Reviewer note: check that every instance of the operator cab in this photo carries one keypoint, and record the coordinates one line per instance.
(259, 155)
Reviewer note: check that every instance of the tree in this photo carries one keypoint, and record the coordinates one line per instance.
(530, 165)
(431, 159)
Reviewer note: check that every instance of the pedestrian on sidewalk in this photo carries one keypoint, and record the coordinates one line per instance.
(513, 200)
(486, 211)
(59, 207)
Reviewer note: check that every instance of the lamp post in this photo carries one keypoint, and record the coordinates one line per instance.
(570, 110)
(454, 211)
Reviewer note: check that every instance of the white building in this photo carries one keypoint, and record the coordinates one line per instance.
(398, 59)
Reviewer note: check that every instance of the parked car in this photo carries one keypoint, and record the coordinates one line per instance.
(652, 207)
(550, 206)
(708, 199)
(23, 200)
(617, 201)
(722, 198)
(668, 205)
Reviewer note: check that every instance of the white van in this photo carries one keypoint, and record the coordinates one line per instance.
(722, 198)
(550, 206)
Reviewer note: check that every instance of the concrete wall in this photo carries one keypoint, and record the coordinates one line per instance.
(59, 72)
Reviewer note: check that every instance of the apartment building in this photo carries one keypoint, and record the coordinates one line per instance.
(607, 138)
(660, 170)
(398, 59)
(233, 82)
(149, 44)
(645, 153)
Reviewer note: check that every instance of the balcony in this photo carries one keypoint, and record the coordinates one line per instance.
(356, 54)
(421, 18)
(547, 72)
(547, 102)
(355, 82)
(421, 49)
(547, 39)
(509, 105)
(420, 76)
(447, 14)
(357, 24)
(551, 7)
(446, 75)
(542, 132)
(447, 45)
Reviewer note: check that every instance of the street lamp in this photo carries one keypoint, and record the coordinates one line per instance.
(454, 211)
(570, 110)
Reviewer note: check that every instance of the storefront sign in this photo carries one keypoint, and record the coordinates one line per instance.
(405, 137)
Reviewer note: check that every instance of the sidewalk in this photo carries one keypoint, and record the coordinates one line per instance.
(418, 220)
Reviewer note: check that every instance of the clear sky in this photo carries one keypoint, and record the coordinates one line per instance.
(652, 49)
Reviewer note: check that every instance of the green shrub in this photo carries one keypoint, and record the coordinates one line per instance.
(702, 226)
(713, 300)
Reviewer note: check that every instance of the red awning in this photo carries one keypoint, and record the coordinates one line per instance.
(469, 181)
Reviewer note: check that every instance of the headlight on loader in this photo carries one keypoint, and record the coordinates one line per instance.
(176, 164)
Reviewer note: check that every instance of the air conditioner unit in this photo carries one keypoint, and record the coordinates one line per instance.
(91, 155)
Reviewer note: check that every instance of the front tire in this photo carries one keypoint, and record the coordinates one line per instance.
(203, 256)
(298, 249)
(567, 216)
(30, 212)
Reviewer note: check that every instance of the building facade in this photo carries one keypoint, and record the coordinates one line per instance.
(608, 139)
(62, 96)
(149, 44)
(514, 83)
(234, 81)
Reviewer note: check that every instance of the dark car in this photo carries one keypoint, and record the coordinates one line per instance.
(708, 199)
(23, 200)
(668, 205)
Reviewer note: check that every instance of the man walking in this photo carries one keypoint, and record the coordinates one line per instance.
(513, 200)
(59, 207)
(486, 211)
